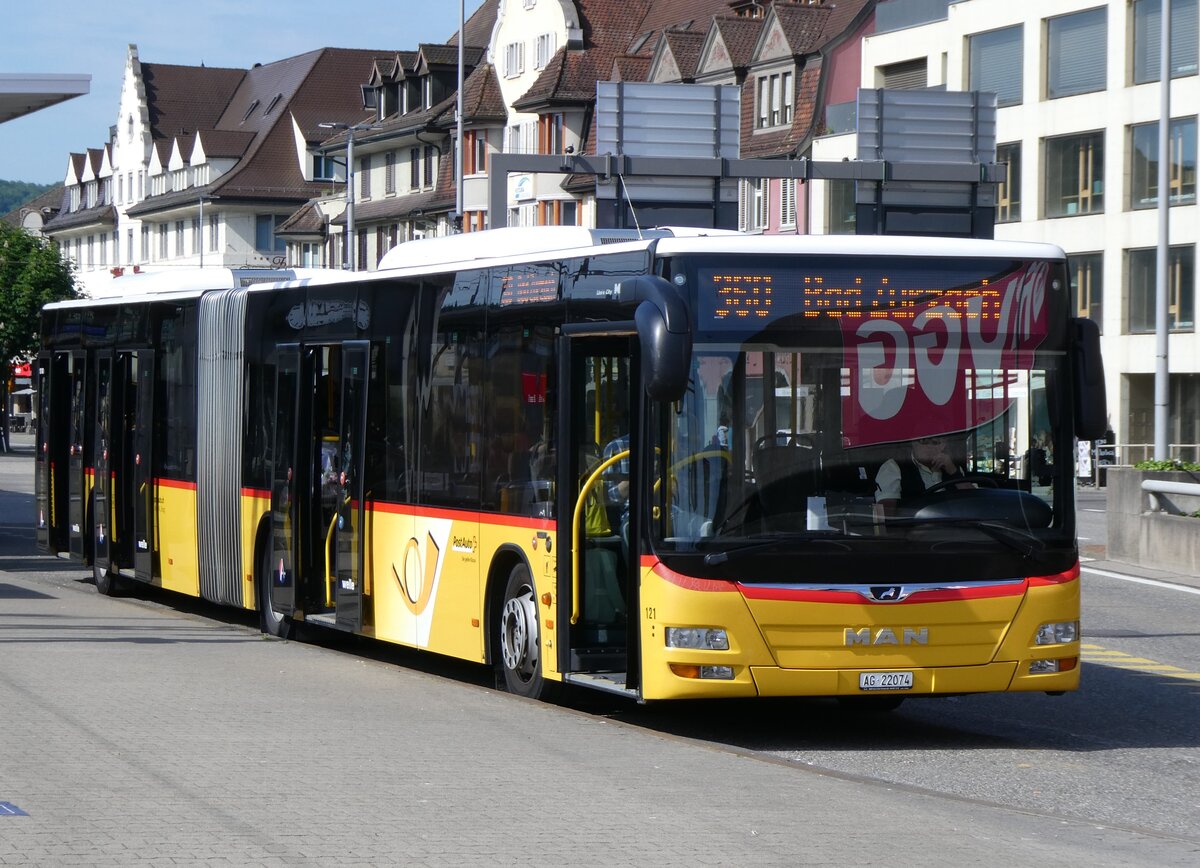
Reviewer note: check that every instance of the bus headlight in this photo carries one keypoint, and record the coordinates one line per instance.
(1058, 633)
(703, 638)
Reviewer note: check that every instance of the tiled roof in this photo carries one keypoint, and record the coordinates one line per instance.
(187, 98)
(482, 98)
(447, 55)
(685, 48)
(307, 221)
(102, 216)
(630, 68)
(740, 36)
(479, 25)
(806, 27)
(225, 143)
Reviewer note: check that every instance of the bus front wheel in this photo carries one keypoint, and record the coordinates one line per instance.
(107, 582)
(518, 638)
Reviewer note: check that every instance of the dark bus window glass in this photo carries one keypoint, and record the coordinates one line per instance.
(175, 447)
(452, 396)
(589, 282)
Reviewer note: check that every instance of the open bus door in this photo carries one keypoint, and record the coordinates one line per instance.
(598, 548)
(143, 468)
(348, 533)
(284, 484)
(77, 394)
(102, 483)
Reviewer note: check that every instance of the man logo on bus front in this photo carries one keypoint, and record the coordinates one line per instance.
(888, 594)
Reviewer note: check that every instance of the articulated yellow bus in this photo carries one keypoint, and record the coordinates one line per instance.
(670, 464)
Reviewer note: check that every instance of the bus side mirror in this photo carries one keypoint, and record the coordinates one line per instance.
(1091, 404)
(665, 334)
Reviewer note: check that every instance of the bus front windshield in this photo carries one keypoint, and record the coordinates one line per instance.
(866, 408)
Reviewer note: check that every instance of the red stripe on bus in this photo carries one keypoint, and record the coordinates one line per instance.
(939, 595)
(175, 483)
(691, 583)
(491, 518)
(261, 493)
(1071, 575)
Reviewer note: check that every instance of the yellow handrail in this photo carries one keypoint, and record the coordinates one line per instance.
(329, 579)
(580, 505)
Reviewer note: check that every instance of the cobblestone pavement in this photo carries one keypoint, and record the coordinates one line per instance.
(137, 733)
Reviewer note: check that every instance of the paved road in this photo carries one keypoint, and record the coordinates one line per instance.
(146, 730)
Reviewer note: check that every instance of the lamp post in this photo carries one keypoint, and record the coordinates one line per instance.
(351, 245)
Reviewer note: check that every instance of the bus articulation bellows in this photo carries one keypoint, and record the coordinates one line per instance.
(669, 464)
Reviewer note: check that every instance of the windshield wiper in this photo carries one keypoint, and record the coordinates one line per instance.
(1015, 538)
(777, 541)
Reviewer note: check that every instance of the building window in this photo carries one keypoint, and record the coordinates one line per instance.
(103, 251)
(91, 251)
(364, 177)
(787, 202)
(529, 4)
(514, 59)
(1008, 191)
(840, 210)
(179, 238)
(1143, 171)
(265, 239)
(543, 49)
(754, 200)
(324, 168)
(162, 240)
(996, 64)
(550, 134)
(1076, 53)
(389, 172)
(1087, 285)
(475, 152)
(144, 253)
(906, 75)
(195, 235)
(1074, 175)
(428, 161)
(1181, 289)
(775, 98)
(214, 223)
(1147, 21)
(414, 168)
(129, 247)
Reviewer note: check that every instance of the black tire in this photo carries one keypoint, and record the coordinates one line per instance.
(108, 583)
(271, 622)
(518, 640)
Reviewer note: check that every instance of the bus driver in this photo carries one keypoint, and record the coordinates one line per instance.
(928, 462)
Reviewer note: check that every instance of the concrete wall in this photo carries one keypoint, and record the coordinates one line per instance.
(1154, 531)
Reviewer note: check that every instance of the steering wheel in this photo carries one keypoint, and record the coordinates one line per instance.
(983, 479)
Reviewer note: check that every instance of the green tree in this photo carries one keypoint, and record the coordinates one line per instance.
(32, 274)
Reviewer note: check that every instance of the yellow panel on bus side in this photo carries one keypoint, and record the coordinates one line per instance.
(256, 505)
(175, 533)
(535, 540)
(424, 567)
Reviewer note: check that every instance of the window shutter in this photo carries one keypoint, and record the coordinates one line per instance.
(996, 64)
(907, 75)
(1078, 59)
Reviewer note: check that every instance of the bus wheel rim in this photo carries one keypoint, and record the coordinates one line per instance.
(518, 634)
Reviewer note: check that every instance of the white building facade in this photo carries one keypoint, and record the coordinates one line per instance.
(1079, 102)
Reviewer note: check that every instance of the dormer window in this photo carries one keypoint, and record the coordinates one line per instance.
(274, 102)
(775, 95)
(250, 111)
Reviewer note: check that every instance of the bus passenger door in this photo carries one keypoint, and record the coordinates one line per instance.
(77, 465)
(598, 556)
(101, 485)
(53, 448)
(121, 492)
(284, 481)
(351, 511)
(143, 469)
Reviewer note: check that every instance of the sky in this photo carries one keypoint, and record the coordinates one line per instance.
(92, 38)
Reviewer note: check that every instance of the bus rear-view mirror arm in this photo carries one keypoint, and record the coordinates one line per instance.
(664, 333)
